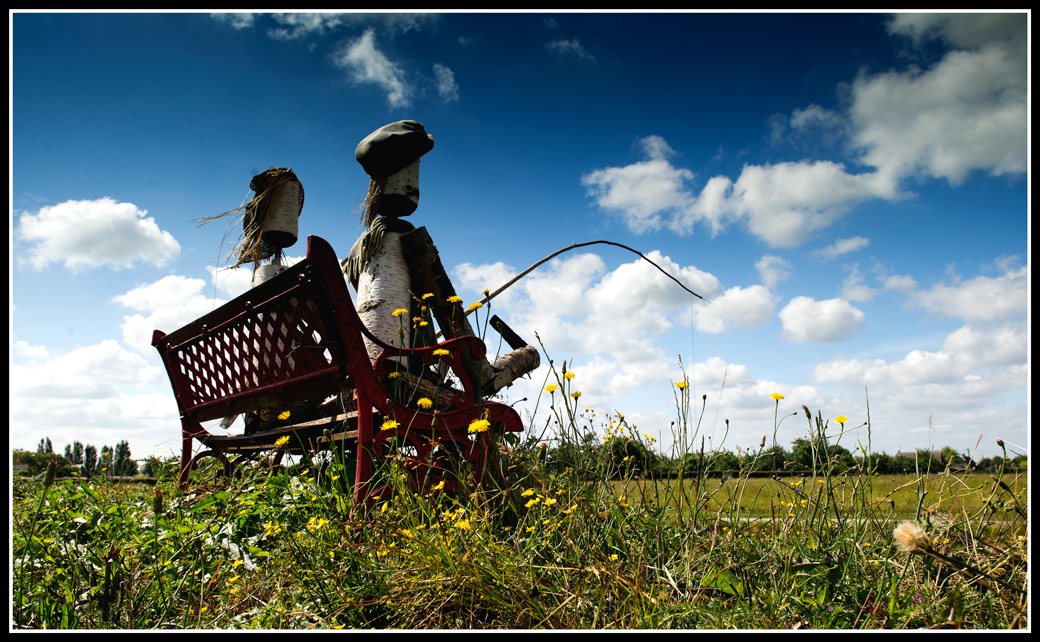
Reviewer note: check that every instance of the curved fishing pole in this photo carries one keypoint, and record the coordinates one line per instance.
(574, 246)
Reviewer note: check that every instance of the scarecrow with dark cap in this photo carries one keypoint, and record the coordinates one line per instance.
(393, 264)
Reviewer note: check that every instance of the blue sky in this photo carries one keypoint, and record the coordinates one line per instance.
(848, 191)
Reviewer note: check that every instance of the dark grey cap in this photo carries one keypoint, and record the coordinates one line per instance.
(393, 147)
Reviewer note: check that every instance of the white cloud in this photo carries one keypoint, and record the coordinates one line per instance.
(301, 25)
(88, 234)
(569, 48)
(91, 372)
(783, 204)
(853, 288)
(24, 351)
(979, 299)
(966, 113)
(170, 303)
(236, 20)
(98, 394)
(641, 192)
(806, 319)
(447, 88)
(747, 308)
(772, 270)
(839, 247)
(368, 65)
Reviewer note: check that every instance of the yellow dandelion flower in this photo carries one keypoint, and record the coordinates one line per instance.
(394, 375)
(575, 395)
(454, 299)
(389, 424)
(425, 403)
(568, 375)
(527, 493)
(551, 388)
(399, 312)
(776, 396)
(427, 295)
(423, 324)
(284, 415)
(281, 441)
(440, 352)
(841, 419)
(479, 425)
(474, 306)
(680, 385)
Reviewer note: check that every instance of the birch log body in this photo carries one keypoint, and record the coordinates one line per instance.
(383, 287)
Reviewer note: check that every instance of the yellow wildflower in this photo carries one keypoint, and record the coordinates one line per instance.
(454, 299)
(841, 419)
(551, 388)
(399, 312)
(680, 385)
(569, 375)
(440, 352)
(531, 503)
(439, 485)
(527, 493)
(389, 424)
(776, 396)
(284, 415)
(463, 524)
(425, 403)
(549, 501)
(575, 395)
(474, 306)
(427, 295)
(281, 441)
(479, 425)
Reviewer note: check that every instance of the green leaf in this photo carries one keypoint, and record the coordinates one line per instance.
(723, 580)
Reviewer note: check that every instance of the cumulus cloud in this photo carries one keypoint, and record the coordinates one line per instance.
(853, 288)
(966, 113)
(839, 247)
(569, 48)
(737, 307)
(954, 370)
(235, 20)
(772, 270)
(447, 88)
(168, 304)
(294, 26)
(806, 319)
(367, 65)
(95, 394)
(980, 299)
(783, 203)
(89, 234)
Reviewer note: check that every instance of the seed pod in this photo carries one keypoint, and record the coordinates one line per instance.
(52, 468)
(157, 501)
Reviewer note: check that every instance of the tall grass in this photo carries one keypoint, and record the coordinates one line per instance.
(568, 535)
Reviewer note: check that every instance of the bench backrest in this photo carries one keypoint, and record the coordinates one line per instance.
(294, 337)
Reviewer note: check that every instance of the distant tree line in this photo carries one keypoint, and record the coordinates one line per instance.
(623, 457)
(82, 460)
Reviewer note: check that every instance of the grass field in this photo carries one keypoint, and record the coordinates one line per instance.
(278, 549)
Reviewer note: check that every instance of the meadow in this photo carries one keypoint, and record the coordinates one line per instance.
(561, 537)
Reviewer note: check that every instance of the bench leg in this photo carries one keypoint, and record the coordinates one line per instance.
(363, 477)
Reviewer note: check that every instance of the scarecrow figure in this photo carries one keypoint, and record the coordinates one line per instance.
(393, 264)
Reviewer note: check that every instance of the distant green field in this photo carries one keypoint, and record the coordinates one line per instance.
(889, 496)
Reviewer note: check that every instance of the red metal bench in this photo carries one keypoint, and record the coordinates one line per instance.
(297, 337)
